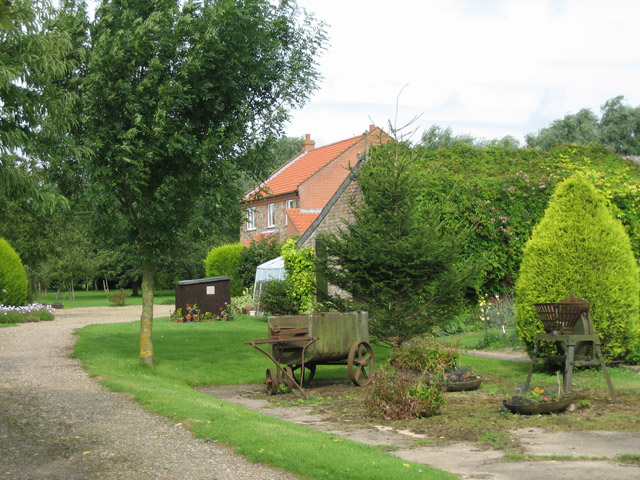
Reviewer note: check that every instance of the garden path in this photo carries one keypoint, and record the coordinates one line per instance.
(58, 423)
(467, 459)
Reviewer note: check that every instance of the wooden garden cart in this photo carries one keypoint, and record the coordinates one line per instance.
(298, 343)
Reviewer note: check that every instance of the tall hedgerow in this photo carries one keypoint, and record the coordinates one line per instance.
(223, 261)
(579, 247)
(503, 193)
(13, 279)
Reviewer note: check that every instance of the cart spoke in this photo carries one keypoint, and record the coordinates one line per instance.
(361, 363)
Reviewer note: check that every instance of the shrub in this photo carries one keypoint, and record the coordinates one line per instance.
(13, 279)
(579, 247)
(276, 298)
(256, 254)
(423, 355)
(118, 298)
(299, 266)
(223, 261)
(394, 395)
(238, 304)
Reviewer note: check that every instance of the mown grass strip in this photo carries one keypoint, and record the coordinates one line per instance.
(99, 298)
(213, 353)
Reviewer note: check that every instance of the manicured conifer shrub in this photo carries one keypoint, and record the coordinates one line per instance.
(13, 279)
(579, 247)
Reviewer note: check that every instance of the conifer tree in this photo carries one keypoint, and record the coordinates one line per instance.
(398, 256)
(580, 248)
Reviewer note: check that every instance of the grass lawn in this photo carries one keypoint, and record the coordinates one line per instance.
(99, 298)
(212, 353)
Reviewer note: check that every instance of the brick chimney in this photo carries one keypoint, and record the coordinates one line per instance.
(308, 144)
(372, 128)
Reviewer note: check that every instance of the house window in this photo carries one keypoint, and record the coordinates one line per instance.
(271, 215)
(288, 204)
(251, 218)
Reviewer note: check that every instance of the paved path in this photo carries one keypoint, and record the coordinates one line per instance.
(57, 423)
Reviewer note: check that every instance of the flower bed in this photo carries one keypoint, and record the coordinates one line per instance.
(34, 312)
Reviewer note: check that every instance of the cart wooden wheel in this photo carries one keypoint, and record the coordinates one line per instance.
(288, 382)
(309, 373)
(361, 363)
(272, 381)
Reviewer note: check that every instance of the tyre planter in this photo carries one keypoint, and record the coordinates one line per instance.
(461, 386)
(515, 405)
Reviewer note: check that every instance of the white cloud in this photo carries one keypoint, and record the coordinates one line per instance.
(488, 68)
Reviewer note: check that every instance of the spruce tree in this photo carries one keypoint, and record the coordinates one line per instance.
(398, 257)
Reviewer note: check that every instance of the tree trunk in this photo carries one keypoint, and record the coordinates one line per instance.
(134, 289)
(146, 319)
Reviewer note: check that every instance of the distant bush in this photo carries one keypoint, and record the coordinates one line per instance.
(238, 304)
(223, 261)
(394, 395)
(13, 279)
(580, 248)
(256, 254)
(276, 299)
(118, 298)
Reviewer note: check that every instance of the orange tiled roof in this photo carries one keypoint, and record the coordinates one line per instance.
(287, 178)
(258, 237)
(301, 218)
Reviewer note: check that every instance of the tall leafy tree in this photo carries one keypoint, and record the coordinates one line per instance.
(32, 59)
(580, 128)
(620, 126)
(437, 137)
(174, 94)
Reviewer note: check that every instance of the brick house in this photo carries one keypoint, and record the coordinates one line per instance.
(294, 196)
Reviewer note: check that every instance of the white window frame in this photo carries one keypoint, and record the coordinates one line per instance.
(288, 204)
(251, 218)
(271, 215)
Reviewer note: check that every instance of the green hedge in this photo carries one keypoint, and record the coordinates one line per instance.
(503, 193)
(579, 247)
(223, 261)
(13, 279)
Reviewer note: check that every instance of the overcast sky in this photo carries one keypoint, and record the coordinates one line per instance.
(488, 68)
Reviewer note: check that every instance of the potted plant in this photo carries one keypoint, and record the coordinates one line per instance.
(193, 312)
(225, 312)
(461, 378)
(176, 316)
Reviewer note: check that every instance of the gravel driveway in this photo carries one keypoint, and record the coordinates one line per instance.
(57, 423)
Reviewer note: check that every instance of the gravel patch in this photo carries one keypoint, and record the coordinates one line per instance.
(58, 423)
